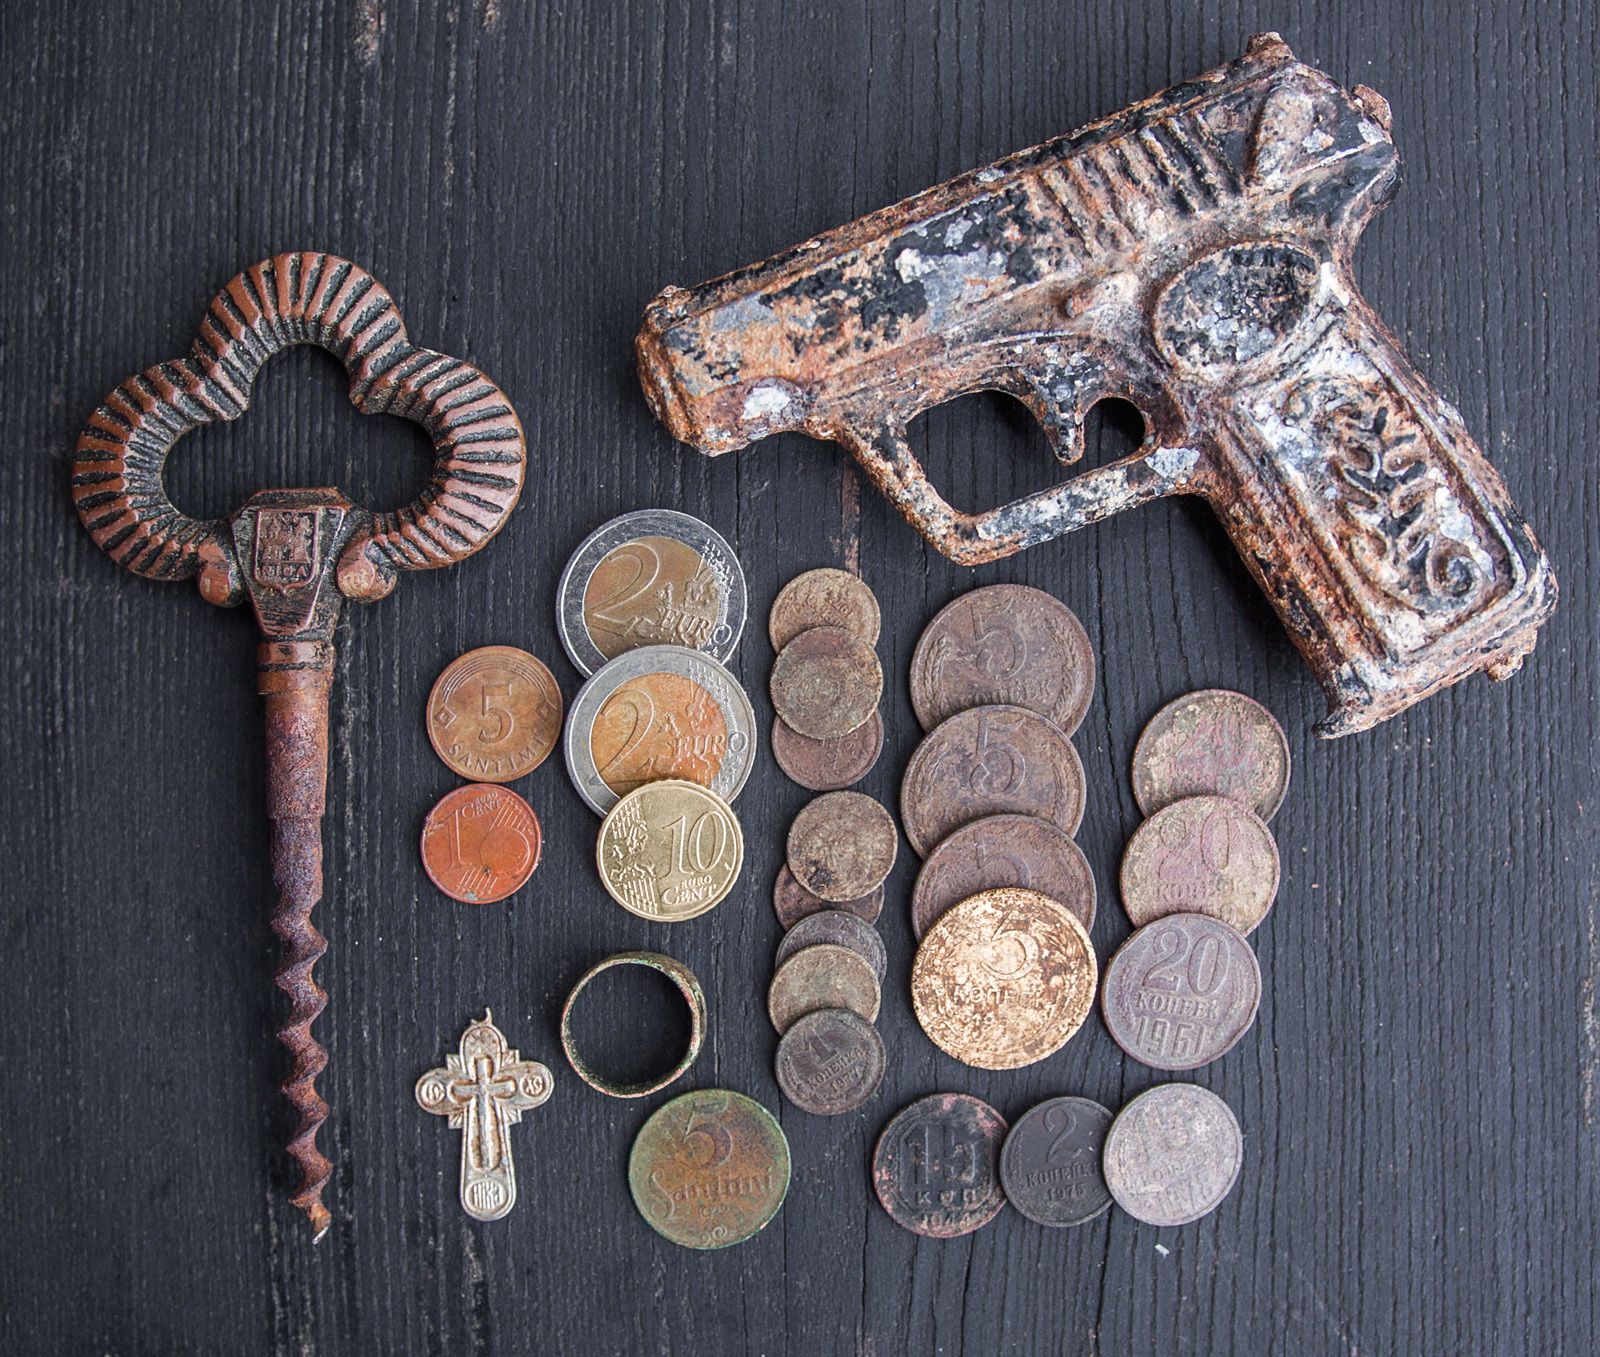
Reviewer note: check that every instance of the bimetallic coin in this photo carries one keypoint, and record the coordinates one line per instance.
(936, 1166)
(842, 846)
(840, 928)
(1003, 979)
(655, 577)
(1212, 743)
(669, 850)
(1004, 645)
(792, 902)
(990, 761)
(1202, 855)
(828, 765)
(823, 598)
(1050, 1166)
(1003, 850)
(826, 683)
(709, 1169)
(825, 976)
(494, 714)
(1173, 1154)
(480, 843)
(659, 712)
(830, 1061)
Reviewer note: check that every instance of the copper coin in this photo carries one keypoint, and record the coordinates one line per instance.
(825, 976)
(494, 714)
(1003, 850)
(1050, 1166)
(990, 761)
(838, 927)
(1004, 979)
(823, 598)
(480, 843)
(830, 1061)
(826, 683)
(1181, 991)
(1212, 743)
(1003, 645)
(1202, 855)
(828, 765)
(792, 902)
(842, 846)
(1173, 1154)
(936, 1166)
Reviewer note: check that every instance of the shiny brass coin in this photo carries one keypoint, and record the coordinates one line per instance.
(826, 683)
(669, 850)
(480, 843)
(824, 976)
(842, 846)
(1173, 1154)
(1004, 979)
(709, 1169)
(823, 598)
(1202, 855)
(828, 765)
(1212, 743)
(494, 714)
(792, 902)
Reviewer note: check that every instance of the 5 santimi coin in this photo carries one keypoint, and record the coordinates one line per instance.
(669, 850)
(830, 1061)
(1050, 1166)
(936, 1165)
(480, 843)
(494, 714)
(1173, 1154)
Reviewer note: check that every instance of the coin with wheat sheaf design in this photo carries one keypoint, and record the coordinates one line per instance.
(823, 598)
(1212, 743)
(1202, 855)
(826, 683)
(842, 845)
(792, 902)
(824, 976)
(669, 850)
(1173, 1154)
(1050, 1165)
(841, 928)
(494, 714)
(830, 1061)
(828, 765)
(936, 1165)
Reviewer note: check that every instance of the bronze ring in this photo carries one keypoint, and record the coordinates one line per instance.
(693, 995)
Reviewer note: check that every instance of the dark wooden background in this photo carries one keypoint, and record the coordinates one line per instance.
(1419, 1094)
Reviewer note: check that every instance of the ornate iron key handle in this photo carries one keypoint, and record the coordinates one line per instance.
(297, 554)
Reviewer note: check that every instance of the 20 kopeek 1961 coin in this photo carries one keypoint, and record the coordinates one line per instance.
(1202, 855)
(670, 850)
(1173, 1154)
(1050, 1166)
(1212, 743)
(494, 714)
(936, 1166)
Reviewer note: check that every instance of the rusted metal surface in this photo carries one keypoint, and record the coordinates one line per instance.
(1190, 254)
(297, 554)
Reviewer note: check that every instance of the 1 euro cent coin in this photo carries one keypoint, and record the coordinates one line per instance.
(480, 843)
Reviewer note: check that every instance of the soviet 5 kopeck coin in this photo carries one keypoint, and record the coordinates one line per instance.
(936, 1166)
(1173, 1154)
(1050, 1166)
(830, 1061)
(494, 714)
(1202, 855)
(1212, 743)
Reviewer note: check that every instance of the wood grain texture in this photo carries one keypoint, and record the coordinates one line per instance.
(1419, 1096)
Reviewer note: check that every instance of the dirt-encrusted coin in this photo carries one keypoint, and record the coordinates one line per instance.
(1173, 1154)
(670, 850)
(828, 765)
(842, 845)
(824, 976)
(826, 683)
(792, 902)
(709, 1168)
(1003, 850)
(1212, 743)
(494, 714)
(823, 598)
(990, 761)
(830, 1061)
(841, 928)
(1050, 1166)
(480, 843)
(1202, 855)
(936, 1166)
(1181, 991)
(1006, 644)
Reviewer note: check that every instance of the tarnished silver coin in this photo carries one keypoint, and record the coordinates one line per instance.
(1202, 855)
(1212, 743)
(841, 928)
(1173, 1154)
(830, 1061)
(654, 713)
(1181, 991)
(653, 577)
(1050, 1164)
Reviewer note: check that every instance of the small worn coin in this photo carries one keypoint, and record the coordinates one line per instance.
(494, 714)
(1212, 743)
(1003, 850)
(792, 902)
(480, 843)
(709, 1168)
(830, 1061)
(669, 850)
(1202, 855)
(824, 976)
(823, 598)
(990, 761)
(1006, 645)
(1003, 979)
(1173, 1154)
(653, 577)
(659, 712)
(1050, 1166)
(826, 683)
(841, 928)
(1181, 991)
(828, 765)
(936, 1165)
(842, 846)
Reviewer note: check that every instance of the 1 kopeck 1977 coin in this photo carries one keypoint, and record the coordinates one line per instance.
(669, 850)
(1202, 855)
(480, 843)
(1173, 1154)
(842, 845)
(826, 683)
(1050, 1165)
(828, 765)
(494, 714)
(1212, 743)
(936, 1166)
(823, 598)
(830, 1061)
